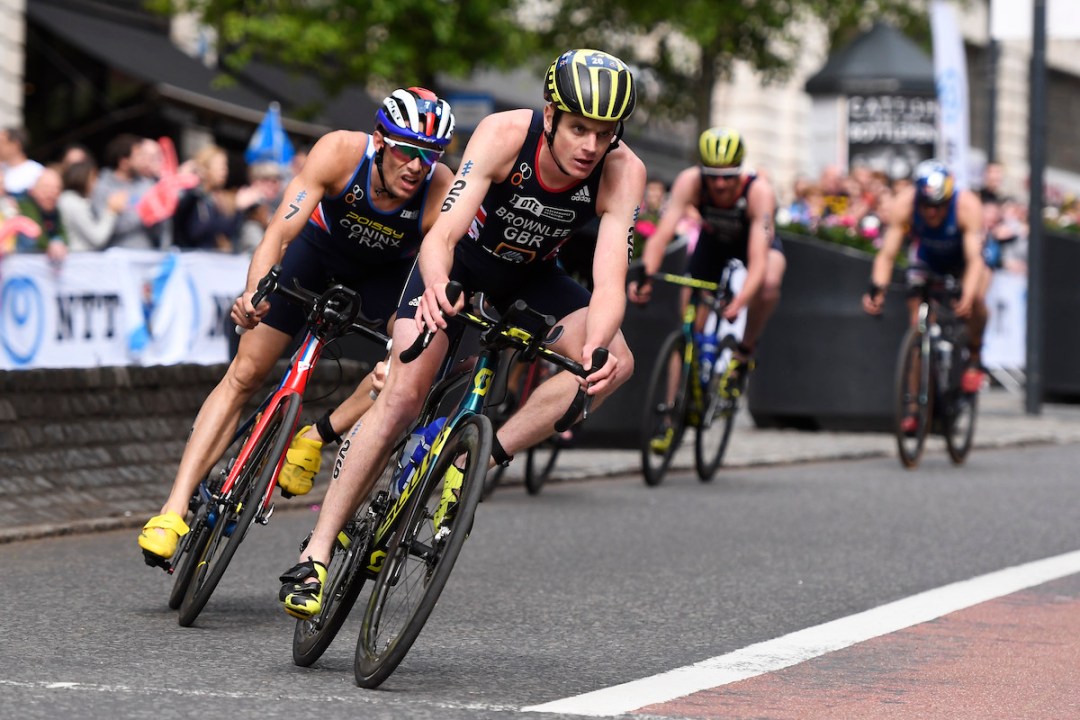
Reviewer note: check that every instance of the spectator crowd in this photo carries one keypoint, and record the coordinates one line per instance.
(135, 195)
(853, 206)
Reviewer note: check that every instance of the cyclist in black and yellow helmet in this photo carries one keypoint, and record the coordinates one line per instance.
(528, 180)
(737, 208)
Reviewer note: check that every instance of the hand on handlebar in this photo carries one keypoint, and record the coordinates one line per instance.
(435, 307)
(246, 315)
(598, 377)
(639, 292)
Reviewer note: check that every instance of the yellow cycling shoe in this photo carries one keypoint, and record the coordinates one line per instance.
(303, 600)
(660, 444)
(302, 463)
(733, 381)
(162, 544)
(451, 491)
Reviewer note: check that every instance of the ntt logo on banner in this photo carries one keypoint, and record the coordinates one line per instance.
(22, 319)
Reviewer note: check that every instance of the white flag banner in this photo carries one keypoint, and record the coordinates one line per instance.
(118, 307)
(950, 76)
(1012, 19)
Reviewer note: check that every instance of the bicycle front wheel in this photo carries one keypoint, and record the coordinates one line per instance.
(713, 433)
(914, 398)
(663, 420)
(420, 556)
(234, 513)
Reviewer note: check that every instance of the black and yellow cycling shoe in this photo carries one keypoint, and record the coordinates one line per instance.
(303, 599)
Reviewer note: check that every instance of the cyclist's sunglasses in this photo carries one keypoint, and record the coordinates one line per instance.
(406, 153)
(731, 171)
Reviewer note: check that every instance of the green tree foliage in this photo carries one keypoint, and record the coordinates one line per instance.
(683, 48)
(383, 43)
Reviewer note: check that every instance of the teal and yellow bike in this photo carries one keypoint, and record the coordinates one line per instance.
(688, 387)
(409, 533)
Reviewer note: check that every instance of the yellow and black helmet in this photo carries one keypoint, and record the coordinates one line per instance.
(591, 83)
(721, 147)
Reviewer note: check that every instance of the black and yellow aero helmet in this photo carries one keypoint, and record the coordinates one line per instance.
(721, 147)
(591, 83)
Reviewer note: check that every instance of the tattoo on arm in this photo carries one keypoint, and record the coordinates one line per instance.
(466, 168)
(453, 194)
(294, 206)
(630, 244)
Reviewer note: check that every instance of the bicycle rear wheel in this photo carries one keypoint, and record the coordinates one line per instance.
(660, 416)
(961, 411)
(234, 513)
(914, 398)
(494, 477)
(419, 558)
(539, 463)
(344, 579)
(713, 433)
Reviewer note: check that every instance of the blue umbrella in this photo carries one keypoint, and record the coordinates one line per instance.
(270, 143)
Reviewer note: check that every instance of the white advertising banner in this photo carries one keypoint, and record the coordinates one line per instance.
(119, 307)
(950, 76)
(1005, 338)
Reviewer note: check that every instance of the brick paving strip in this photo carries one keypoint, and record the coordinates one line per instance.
(1001, 645)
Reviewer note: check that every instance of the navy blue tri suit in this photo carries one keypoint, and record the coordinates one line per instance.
(511, 248)
(938, 250)
(725, 234)
(348, 241)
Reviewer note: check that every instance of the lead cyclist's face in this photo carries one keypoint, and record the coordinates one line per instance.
(580, 142)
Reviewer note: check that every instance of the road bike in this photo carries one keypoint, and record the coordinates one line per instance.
(540, 459)
(237, 493)
(933, 357)
(407, 538)
(685, 385)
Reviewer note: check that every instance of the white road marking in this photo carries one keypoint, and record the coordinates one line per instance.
(797, 647)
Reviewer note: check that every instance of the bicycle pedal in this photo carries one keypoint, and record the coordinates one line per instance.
(153, 560)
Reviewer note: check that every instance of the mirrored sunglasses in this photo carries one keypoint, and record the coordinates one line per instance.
(731, 171)
(406, 153)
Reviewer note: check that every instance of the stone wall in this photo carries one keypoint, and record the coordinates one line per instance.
(100, 446)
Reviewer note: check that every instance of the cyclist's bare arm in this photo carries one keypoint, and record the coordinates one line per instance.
(684, 193)
(897, 222)
(329, 164)
(488, 158)
(969, 219)
(621, 187)
(761, 209)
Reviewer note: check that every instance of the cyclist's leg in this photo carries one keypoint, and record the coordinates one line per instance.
(548, 402)
(762, 305)
(366, 448)
(219, 416)
(213, 427)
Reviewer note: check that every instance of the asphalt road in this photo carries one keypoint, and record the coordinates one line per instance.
(592, 584)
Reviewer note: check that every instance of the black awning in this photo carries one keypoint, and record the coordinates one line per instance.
(881, 60)
(150, 57)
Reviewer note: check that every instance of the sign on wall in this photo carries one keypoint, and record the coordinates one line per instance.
(890, 133)
(119, 307)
